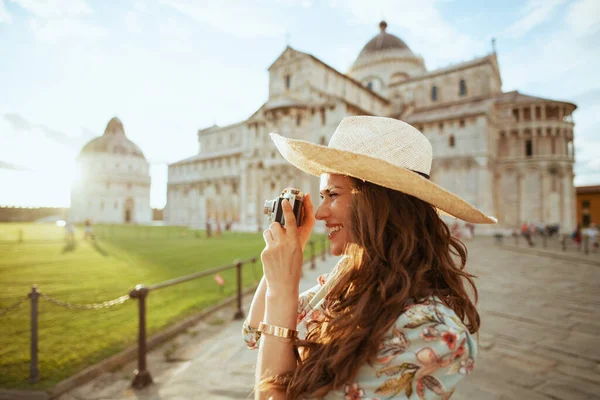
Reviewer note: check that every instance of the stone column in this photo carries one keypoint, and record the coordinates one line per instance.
(520, 197)
(568, 204)
(561, 113)
(484, 190)
(545, 189)
(243, 191)
(543, 112)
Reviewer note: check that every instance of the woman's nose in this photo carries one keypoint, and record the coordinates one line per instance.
(322, 211)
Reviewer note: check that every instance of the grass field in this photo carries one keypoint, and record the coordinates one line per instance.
(96, 271)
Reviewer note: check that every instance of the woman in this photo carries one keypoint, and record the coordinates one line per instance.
(394, 317)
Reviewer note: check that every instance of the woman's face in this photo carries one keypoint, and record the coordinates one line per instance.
(336, 210)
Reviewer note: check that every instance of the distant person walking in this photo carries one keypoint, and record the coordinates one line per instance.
(208, 228)
(455, 230)
(593, 237)
(88, 232)
(526, 233)
(577, 237)
(69, 232)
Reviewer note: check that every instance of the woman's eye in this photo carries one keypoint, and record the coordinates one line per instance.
(333, 195)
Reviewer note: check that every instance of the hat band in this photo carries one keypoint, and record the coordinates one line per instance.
(424, 175)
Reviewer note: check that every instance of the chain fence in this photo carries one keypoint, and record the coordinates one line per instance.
(13, 306)
(142, 376)
(92, 306)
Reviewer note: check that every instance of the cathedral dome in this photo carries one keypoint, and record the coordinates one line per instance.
(113, 141)
(382, 42)
(385, 60)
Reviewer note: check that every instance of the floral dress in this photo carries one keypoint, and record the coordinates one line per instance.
(425, 353)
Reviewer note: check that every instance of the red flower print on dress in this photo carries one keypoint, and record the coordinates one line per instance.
(450, 339)
(316, 315)
(461, 351)
(322, 279)
(354, 392)
(390, 348)
(429, 333)
(301, 317)
(466, 366)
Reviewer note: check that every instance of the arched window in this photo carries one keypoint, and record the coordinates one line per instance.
(288, 81)
(528, 148)
(462, 90)
(434, 93)
(451, 142)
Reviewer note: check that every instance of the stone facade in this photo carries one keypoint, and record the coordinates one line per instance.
(113, 183)
(509, 154)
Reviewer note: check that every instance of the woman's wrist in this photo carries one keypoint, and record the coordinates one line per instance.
(281, 308)
(282, 294)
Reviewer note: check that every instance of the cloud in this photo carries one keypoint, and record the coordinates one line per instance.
(236, 17)
(589, 97)
(21, 126)
(5, 17)
(423, 27)
(584, 17)
(55, 20)
(55, 8)
(18, 123)
(12, 167)
(563, 59)
(54, 30)
(533, 14)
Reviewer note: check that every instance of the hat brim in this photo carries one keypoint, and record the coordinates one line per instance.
(315, 159)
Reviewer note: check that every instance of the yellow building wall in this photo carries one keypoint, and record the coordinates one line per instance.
(594, 208)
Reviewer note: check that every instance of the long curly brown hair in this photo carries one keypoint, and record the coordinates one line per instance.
(400, 250)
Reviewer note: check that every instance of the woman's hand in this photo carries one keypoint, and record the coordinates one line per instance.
(282, 256)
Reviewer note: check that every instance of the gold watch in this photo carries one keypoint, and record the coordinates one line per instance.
(278, 331)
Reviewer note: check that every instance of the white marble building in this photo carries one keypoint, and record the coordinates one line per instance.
(113, 180)
(507, 153)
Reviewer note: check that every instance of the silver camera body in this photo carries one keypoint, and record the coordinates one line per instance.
(274, 211)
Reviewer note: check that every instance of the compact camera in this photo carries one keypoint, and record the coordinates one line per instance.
(273, 207)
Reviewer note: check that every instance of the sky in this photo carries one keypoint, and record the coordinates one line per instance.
(167, 68)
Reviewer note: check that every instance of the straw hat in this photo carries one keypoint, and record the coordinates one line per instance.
(384, 151)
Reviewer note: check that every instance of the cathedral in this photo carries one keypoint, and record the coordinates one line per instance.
(507, 153)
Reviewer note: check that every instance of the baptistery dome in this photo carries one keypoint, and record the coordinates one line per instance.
(113, 141)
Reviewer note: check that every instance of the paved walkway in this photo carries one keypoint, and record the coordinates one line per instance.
(539, 339)
(209, 361)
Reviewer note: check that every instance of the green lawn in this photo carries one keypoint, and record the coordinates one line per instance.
(88, 272)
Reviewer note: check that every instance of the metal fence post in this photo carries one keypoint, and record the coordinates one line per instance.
(313, 264)
(239, 314)
(34, 373)
(324, 250)
(142, 377)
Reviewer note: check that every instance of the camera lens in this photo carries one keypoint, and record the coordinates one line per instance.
(269, 206)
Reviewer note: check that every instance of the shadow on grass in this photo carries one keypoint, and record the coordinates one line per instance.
(69, 247)
(99, 249)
